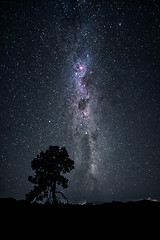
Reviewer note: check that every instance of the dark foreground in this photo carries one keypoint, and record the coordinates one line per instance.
(137, 216)
(12, 207)
(104, 221)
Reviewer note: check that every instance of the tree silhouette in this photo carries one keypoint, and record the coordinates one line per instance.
(48, 167)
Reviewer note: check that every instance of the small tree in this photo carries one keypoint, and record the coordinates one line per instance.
(48, 167)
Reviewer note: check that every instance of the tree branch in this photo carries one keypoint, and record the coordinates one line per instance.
(62, 195)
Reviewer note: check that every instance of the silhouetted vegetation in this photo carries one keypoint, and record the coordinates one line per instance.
(49, 167)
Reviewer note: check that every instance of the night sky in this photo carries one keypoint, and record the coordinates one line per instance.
(83, 74)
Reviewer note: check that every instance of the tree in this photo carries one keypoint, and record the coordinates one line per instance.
(48, 167)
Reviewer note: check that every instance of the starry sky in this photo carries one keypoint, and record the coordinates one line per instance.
(83, 74)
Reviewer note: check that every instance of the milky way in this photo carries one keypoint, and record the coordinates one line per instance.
(85, 129)
(83, 107)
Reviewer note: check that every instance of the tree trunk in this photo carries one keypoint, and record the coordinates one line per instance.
(53, 190)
